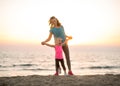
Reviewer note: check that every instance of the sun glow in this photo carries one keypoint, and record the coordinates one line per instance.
(89, 22)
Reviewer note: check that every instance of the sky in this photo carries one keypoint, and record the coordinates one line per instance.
(89, 22)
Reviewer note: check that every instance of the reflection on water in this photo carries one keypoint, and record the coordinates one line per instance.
(28, 60)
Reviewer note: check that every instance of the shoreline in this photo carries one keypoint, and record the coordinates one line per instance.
(51, 80)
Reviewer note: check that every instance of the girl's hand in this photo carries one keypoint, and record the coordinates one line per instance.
(69, 37)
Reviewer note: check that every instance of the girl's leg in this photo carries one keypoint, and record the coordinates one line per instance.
(59, 69)
(63, 65)
(56, 66)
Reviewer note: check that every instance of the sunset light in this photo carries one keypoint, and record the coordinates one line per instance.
(90, 22)
(34, 36)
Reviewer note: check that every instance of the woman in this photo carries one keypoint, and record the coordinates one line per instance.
(57, 30)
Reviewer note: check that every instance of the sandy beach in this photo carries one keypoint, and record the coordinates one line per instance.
(76, 80)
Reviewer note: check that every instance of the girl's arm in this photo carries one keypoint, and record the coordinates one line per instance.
(50, 45)
(68, 37)
(48, 39)
(65, 41)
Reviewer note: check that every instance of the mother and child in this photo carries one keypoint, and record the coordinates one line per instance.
(61, 39)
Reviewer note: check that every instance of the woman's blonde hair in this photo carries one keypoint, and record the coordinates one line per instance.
(51, 25)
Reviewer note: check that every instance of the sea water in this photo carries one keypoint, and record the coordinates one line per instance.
(19, 60)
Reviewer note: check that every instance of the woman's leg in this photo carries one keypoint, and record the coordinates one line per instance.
(66, 52)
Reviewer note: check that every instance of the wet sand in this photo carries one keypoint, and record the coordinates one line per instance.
(76, 80)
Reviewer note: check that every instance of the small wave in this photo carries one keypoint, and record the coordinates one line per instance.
(24, 65)
(37, 69)
(1, 66)
(101, 67)
(17, 65)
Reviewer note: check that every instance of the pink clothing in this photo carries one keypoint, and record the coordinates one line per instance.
(58, 52)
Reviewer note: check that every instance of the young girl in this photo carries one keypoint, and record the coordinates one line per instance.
(58, 54)
(57, 30)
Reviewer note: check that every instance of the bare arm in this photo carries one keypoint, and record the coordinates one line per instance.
(48, 39)
(50, 45)
(65, 41)
(69, 37)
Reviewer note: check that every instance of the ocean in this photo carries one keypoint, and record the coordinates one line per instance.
(19, 60)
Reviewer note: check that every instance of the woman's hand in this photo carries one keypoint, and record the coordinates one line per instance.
(43, 43)
(48, 39)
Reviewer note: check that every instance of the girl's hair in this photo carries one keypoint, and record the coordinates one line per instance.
(57, 40)
(51, 25)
